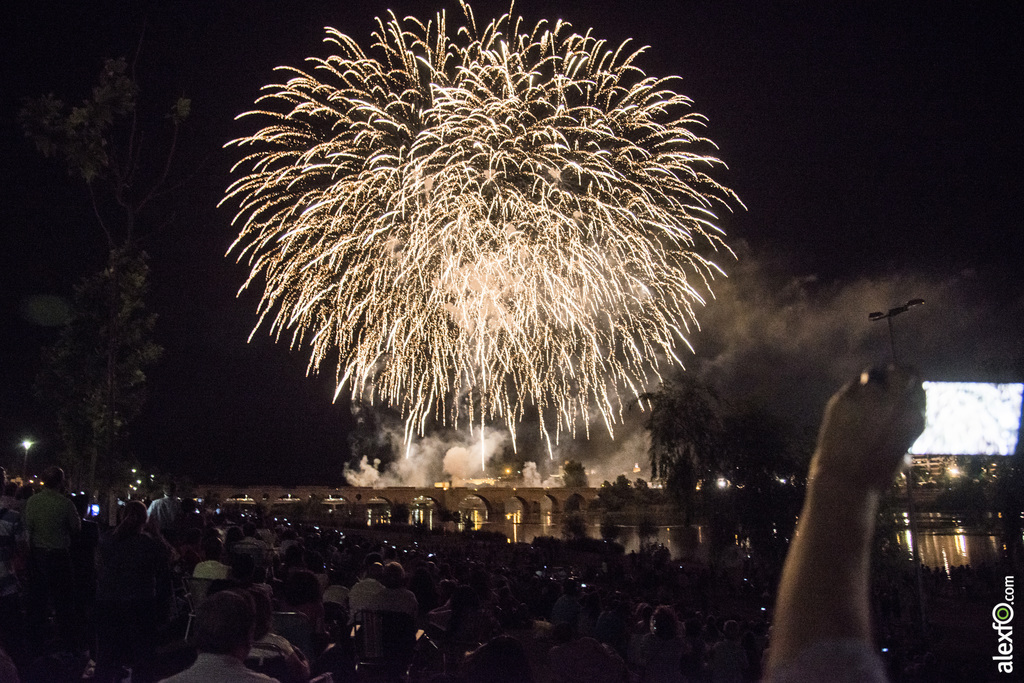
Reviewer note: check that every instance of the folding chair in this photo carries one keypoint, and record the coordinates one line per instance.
(296, 627)
(195, 593)
(268, 659)
(385, 643)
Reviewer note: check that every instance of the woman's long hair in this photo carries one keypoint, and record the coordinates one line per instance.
(133, 521)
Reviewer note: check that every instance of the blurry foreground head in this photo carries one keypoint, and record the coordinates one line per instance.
(500, 660)
(225, 623)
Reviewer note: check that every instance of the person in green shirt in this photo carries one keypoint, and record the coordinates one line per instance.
(51, 520)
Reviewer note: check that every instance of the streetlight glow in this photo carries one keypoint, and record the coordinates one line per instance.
(26, 444)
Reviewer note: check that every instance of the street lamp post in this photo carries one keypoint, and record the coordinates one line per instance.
(912, 512)
(889, 315)
(26, 444)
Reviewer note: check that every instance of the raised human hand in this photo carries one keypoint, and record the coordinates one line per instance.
(868, 427)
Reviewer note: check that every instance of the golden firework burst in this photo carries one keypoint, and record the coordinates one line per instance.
(480, 223)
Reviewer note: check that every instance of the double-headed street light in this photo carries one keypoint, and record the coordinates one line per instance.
(889, 315)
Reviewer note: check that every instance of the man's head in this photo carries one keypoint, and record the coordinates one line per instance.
(375, 571)
(225, 623)
(53, 477)
(170, 489)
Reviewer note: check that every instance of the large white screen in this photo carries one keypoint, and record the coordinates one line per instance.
(970, 418)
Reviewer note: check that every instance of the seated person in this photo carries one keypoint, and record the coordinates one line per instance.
(190, 550)
(662, 649)
(247, 574)
(302, 594)
(583, 660)
(500, 660)
(462, 621)
(252, 545)
(268, 645)
(225, 624)
(395, 597)
(362, 591)
(212, 567)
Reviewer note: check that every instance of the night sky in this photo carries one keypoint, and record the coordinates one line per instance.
(876, 146)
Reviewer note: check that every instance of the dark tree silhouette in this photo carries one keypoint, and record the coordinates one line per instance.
(100, 142)
(575, 476)
(687, 437)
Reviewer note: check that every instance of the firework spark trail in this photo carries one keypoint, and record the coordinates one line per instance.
(497, 221)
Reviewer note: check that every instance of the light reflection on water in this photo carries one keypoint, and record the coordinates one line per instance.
(673, 537)
(948, 550)
(945, 542)
(938, 550)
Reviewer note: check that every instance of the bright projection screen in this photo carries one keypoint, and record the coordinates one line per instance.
(970, 418)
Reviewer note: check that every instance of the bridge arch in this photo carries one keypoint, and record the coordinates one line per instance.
(336, 508)
(474, 511)
(549, 504)
(378, 510)
(517, 509)
(425, 510)
(575, 503)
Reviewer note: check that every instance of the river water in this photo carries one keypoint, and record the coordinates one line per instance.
(945, 542)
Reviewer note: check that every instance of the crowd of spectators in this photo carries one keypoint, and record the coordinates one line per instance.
(636, 617)
(208, 597)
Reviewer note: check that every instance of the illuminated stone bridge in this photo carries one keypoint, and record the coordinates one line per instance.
(482, 504)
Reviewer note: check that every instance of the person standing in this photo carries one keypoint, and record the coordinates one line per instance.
(567, 608)
(133, 594)
(662, 650)
(51, 521)
(164, 514)
(10, 590)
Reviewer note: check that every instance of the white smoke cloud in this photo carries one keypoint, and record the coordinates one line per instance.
(467, 461)
(427, 459)
(787, 343)
(415, 466)
(629, 451)
(461, 463)
(533, 478)
(365, 475)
